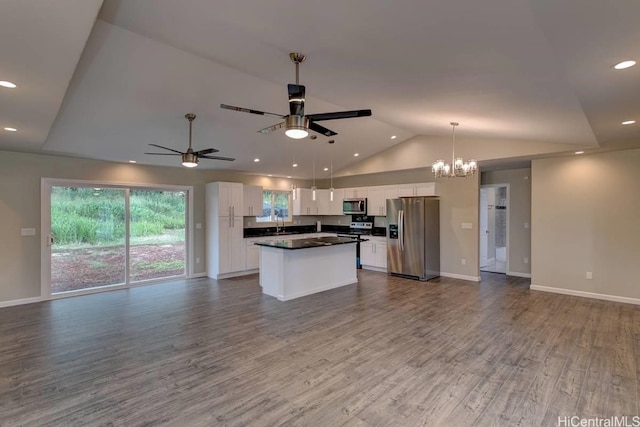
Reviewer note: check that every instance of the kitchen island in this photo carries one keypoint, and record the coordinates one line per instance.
(293, 268)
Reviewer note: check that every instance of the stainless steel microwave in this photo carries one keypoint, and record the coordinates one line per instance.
(354, 206)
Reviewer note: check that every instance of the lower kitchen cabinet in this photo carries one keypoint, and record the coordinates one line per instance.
(373, 253)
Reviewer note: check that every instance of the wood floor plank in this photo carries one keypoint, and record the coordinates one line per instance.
(386, 351)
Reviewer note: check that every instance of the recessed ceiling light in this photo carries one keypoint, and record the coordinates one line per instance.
(325, 169)
(295, 165)
(8, 85)
(624, 64)
(132, 161)
(256, 160)
(356, 154)
(289, 176)
(628, 122)
(11, 129)
(579, 152)
(269, 175)
(393, 137)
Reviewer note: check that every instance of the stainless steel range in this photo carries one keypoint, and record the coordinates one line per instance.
(357, 229)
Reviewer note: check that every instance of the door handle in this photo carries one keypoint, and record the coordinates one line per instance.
(50, 240)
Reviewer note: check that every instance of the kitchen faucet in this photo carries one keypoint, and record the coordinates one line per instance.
(278, 223)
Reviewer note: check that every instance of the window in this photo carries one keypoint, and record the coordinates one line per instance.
(275, 206)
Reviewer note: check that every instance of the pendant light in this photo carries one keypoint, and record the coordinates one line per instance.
(458, 167)
(294, 187)
(331, 189)
(313, 187)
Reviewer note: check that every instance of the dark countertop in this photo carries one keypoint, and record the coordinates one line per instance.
(303, 229)
(306, 243)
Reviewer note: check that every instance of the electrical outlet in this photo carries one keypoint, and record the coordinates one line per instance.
(463, 261)
(339, 222)
(589, 275)
(526, 260)
(198, 226)
(197, 260)
(526, 225)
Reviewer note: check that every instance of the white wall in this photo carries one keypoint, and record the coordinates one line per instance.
(586, 218)
(20, 176)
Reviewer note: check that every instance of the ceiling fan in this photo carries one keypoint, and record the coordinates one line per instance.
(190, 157)
(296, 122)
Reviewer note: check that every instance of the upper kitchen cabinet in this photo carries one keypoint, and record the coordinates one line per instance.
(304, 203)
(419, 189)
(323, 203)
(355, 193)
(225, 198)
(335, 206)
(252, 200)
(377, 199)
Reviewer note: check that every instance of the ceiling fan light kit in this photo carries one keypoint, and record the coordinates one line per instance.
(296, 123)
(458, 167)
(297, 127)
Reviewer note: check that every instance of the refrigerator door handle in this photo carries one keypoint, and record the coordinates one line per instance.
(401, 228)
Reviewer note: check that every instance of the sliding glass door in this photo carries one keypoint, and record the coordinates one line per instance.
(113, 236)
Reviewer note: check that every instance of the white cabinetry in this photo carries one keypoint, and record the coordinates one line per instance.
(355, 193)
(252, 203)
(419, 189)
(304, 203)
(323, 203)
(377, 199)
(335, 207)
(226, 252)
(373, 254)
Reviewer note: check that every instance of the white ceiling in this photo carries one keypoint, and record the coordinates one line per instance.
(513, 70)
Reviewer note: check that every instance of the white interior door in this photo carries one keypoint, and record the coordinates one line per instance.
(484, 226)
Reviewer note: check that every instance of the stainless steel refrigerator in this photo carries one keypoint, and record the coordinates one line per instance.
(413, 237)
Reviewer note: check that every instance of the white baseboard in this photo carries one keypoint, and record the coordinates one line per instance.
(583, 294)
(460, 276)
(234, 274)
(317, 290)
(196, 275)
(372, 268)
(516, 274)
(21, 301)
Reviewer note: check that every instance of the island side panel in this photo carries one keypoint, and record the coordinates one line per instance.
(271, 271)
(312, 270)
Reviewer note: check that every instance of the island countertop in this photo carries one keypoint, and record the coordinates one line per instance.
(313, 242)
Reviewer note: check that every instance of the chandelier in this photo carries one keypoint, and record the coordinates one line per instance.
(458, 167)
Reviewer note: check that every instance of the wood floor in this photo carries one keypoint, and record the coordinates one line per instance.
(385, 352)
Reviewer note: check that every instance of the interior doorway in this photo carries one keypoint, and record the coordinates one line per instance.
(494, 228)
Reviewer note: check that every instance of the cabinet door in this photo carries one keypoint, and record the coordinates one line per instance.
(381, 255)
(336, 204)
(252, 200)
(375, 201)
(367, 255)
(426, 189)
(253, 255)
(236, 246)
(235, 198)
(224, 255)
(406, 190)
(322, 202)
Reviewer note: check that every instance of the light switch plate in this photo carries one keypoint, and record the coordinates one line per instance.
(198, 226)
(27, 231)
(467, 226)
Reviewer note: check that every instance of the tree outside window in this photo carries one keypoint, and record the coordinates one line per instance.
(275, 206)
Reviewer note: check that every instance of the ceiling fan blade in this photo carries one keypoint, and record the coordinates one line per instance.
(166, 148)
(165, 154)
(339, 115)
(296, 100)
(205, 151)
(248, 110)
(321, 129)
(271, 128)
(229, 159)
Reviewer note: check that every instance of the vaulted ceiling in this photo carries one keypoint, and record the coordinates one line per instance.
(105, 79)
